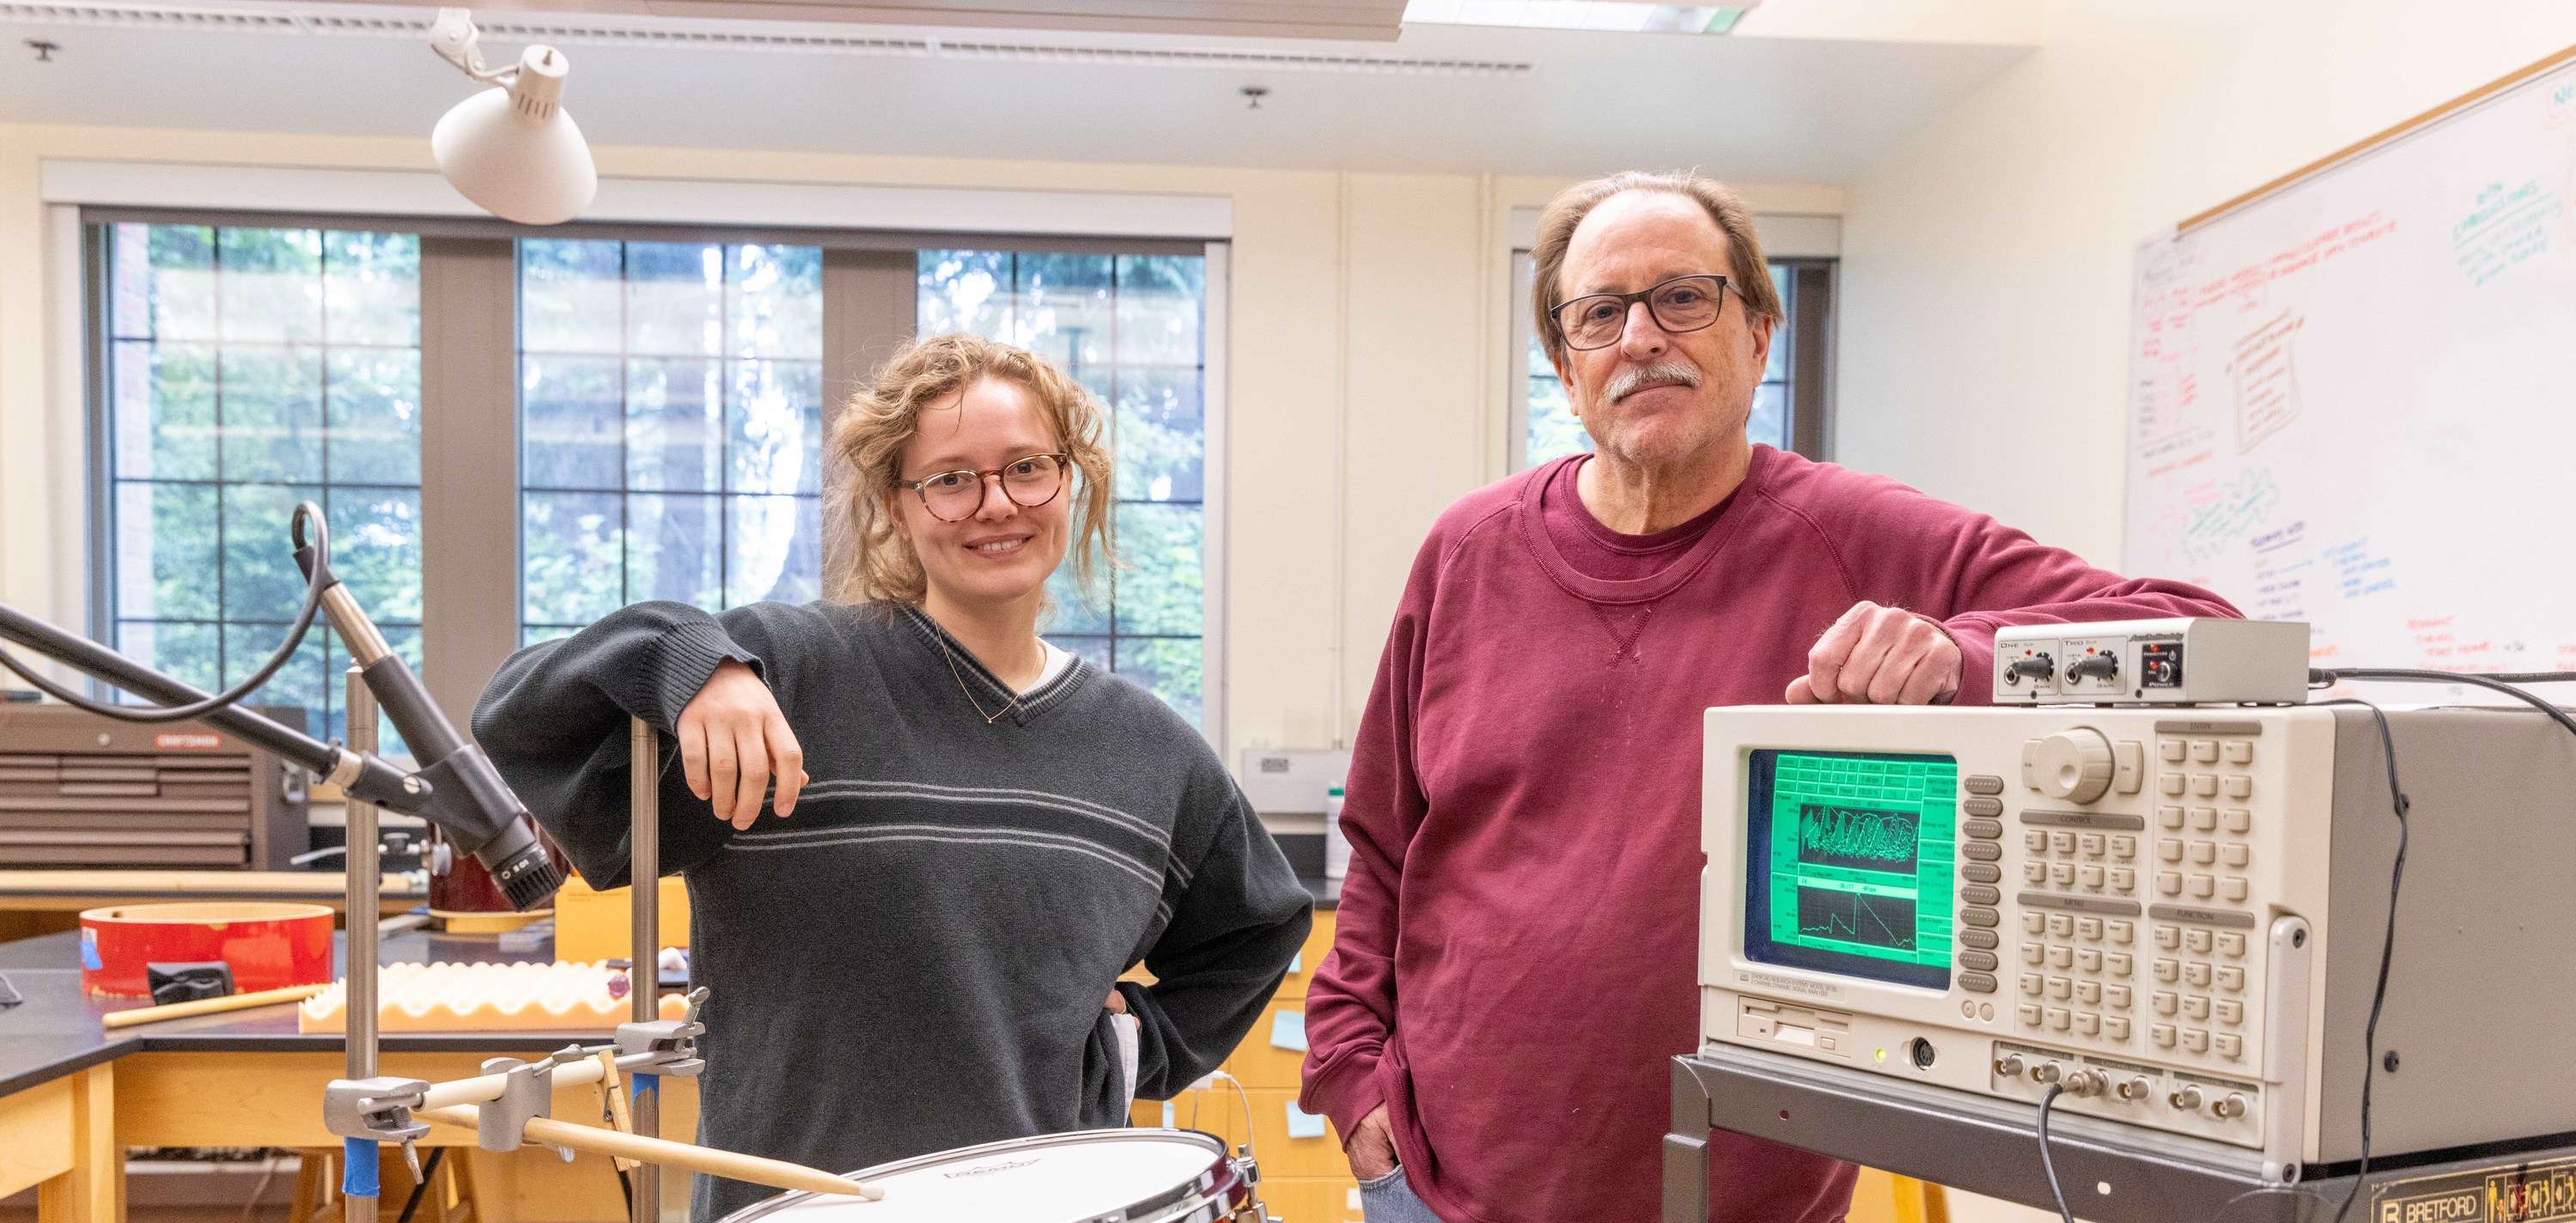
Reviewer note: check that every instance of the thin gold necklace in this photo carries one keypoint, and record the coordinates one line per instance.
(1010, 703)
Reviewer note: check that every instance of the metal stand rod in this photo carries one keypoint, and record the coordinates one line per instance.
(644, 970)
(358, 1179)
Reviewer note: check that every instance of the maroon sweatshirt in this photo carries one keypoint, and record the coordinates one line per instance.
(1516, 960)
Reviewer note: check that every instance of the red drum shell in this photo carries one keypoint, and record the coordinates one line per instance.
(269, 945)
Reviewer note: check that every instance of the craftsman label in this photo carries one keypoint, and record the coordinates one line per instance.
(170, 741)
(2516, 1193)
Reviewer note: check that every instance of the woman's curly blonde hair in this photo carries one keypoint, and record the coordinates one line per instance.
(868, 556)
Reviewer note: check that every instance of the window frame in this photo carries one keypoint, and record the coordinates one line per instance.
(867, 310)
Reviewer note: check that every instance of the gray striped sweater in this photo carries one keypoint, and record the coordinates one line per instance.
(915, 959)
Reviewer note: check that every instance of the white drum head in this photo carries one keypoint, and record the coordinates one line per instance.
(1033, 1180)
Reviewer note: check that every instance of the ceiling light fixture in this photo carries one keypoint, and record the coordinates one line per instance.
(513, 150)
(1603, 16)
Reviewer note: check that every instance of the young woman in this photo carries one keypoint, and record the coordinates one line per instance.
(913, 944)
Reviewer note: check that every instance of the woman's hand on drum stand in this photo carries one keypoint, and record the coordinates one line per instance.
(1371, 1146)
(733, 740)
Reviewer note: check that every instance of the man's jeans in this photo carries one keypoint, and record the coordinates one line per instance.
(1389, 1200)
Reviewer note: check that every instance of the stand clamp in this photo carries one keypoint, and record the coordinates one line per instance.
(671, 1043)
(377, 1109)
(527, 1091)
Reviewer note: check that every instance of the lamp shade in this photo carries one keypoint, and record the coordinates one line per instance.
(514, 152)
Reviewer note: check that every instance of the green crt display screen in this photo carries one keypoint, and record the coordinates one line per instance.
(1851, 863)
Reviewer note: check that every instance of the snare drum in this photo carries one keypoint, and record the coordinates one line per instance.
(1092, 1176)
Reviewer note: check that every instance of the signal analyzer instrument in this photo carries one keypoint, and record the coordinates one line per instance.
(2176, 915)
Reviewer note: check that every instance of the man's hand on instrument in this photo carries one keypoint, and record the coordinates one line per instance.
(1371, 1146)
(1878, 655)
(734, 740)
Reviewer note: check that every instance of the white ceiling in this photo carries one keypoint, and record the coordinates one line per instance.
(1750, 109)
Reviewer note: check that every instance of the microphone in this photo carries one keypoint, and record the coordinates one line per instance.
(467, 798)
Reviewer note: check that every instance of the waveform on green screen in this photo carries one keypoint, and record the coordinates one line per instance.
(1851, 835)
(1876, 921)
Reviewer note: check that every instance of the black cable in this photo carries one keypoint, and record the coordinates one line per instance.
(313, 587)
(2050, 1165)
(2502, 682)
(428, 1172)
(2399, 803)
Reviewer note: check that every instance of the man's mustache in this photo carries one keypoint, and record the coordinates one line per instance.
(1641, 377)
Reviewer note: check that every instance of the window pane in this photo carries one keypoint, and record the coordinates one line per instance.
(1093, 649)
(776, 417)
(775, 307)
(674, 298)
(570, 545)
(300, 682)
(719, 390)
(164, 414)
(270, 285)
(1073, 609)
(184, 652)
(1063, 309)
(1161, 438)
(774, 549)
(180, 298)
(672, 422)
(674, 548)
(531, 634)
(965, 291)
(374, 407)
(571, 422)
(271, 413)
(1159, 592)
(261, 581)
(1554, 431)
(1770, 420)
(1168, 668)
(570, 297)
(1159, 308)
(1776, 369)
(151, 268)
(264, 367)
(375, 549)
(165, 551)
(371, 288)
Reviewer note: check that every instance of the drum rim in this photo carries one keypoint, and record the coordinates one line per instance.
(1224, 1172)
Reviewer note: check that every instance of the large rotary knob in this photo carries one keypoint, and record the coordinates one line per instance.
(2074, 765)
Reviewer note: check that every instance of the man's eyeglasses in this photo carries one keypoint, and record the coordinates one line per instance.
(1684, 303)
(955, 496)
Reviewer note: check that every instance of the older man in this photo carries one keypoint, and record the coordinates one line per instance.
(1514, 966)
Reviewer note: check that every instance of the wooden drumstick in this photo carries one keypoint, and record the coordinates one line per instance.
(777, 1173)
(208, 1006)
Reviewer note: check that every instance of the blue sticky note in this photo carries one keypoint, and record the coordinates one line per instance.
(1297, 963)
(1288, 1030)
(1303, 1124)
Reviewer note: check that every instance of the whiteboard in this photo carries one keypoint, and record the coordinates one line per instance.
(2352, 401)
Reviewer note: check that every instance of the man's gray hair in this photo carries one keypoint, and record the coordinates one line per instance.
(1750, 275)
